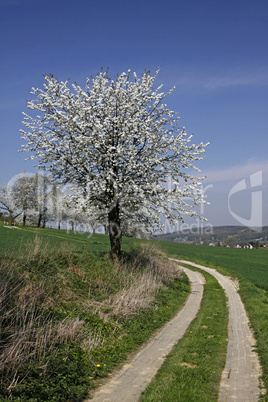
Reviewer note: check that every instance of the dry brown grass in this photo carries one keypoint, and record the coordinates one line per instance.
(146, 271)
(26, 333)
(41, 250)
(138, 295)
(156, 261)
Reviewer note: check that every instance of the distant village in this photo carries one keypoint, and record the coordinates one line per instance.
(222, 236)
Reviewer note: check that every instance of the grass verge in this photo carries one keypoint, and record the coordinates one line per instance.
(256, 304)
(192, 371)
(69, 317)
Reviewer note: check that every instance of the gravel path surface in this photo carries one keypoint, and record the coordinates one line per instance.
(240, 377)
(128, 384)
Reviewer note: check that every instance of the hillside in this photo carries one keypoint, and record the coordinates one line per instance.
(236, 235)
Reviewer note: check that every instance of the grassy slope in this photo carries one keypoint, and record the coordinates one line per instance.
(13, 240)
(68, 318)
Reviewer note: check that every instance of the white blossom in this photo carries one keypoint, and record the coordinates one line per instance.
(118, 142)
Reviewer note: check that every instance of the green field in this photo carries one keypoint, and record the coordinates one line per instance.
(13, 239)
(246, 264)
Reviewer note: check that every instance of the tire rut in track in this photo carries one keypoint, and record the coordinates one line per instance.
(241, 375)
(128, 383)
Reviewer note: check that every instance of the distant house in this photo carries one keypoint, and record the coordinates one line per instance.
(248, 246)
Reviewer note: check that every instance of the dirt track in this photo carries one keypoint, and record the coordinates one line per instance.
(240, 378)
(128, 384)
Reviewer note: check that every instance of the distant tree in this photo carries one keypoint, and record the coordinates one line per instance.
(84, 215)
(8, 204)
(118, 141)
(42, 188)
(23, 192)
(229, 241)
(255, 243)
(72, 215)
(56, 207)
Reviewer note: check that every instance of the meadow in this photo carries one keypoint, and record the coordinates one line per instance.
(74, 268)
(247, 265)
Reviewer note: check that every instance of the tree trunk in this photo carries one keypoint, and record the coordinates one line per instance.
(115, 232)
(24, 219)
(39, 220)
(44, 218)
(10, 218)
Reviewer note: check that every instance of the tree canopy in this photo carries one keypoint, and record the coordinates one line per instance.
(116, 141)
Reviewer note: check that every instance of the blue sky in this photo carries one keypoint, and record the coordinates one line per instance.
(214, 52)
